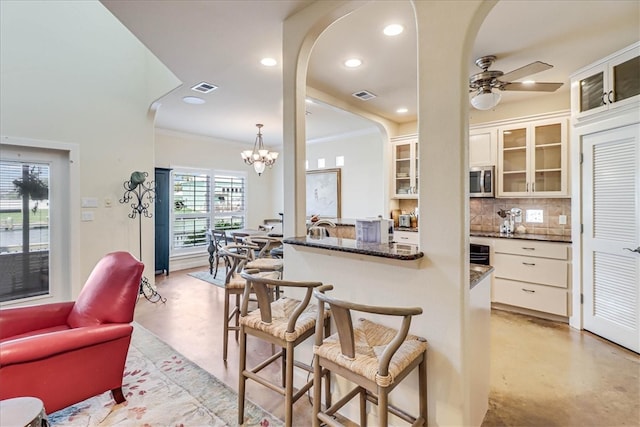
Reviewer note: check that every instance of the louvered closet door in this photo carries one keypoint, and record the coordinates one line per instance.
(611, 200)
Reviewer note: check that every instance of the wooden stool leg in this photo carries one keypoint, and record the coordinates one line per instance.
(383, 406)
(237, 316)
(225, 327)
(288, 397)
(327, 389)
(317, 392)
(242, 364)
(283, 367)
(422, 385)
(363, 407)
(217, 261)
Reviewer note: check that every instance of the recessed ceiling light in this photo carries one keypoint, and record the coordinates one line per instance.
(193, 100)
(268, 62)
(393, 29)
(402, 110)
(352, 63)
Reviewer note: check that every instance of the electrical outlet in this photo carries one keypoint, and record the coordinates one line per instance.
(562, 219)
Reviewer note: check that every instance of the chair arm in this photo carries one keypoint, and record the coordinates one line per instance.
(38, 347)
(20, 320)
(393, 346)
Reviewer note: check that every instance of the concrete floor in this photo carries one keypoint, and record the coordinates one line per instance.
(542, 373)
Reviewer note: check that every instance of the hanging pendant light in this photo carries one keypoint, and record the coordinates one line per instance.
(259, 157)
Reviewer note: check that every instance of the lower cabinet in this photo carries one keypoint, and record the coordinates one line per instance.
(532, 274)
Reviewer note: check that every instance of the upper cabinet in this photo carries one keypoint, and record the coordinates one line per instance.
(482, 146)
(532, 160)
(612, 83)
(405, 167)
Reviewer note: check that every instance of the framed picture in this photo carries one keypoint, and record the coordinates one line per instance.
(323, 193)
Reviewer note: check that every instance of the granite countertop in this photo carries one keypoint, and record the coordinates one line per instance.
(525, 236)
(477, 273)
(384, 250)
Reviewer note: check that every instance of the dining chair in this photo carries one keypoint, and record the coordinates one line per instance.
(285, 323)
(217, 239)
(373, 356)
(237, 257)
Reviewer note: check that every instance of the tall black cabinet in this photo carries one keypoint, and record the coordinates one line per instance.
(163, 179)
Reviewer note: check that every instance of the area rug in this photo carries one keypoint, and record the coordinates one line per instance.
(163, 388)
(204, 275)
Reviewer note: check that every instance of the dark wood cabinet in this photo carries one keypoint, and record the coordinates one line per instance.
(163, 181)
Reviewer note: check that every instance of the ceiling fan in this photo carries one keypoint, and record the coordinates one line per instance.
(484, 82)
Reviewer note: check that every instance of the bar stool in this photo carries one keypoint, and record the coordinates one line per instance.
(285, 322)
(236, 257)
(374, 357)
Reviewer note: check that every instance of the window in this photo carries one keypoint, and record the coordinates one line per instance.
(202, 200)
(24, 235)
(35, 225)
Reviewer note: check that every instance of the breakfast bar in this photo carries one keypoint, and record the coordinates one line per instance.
(393, 274)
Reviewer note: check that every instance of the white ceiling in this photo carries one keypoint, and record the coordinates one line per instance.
(222, 42)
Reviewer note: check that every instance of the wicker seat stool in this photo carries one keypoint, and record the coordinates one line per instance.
(236, 256)
(284, 322)
(373, 356)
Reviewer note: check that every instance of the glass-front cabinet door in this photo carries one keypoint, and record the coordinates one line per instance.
(533, 159)
(405, 171)
(611, 83)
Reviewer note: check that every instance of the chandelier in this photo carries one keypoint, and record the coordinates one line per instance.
(259, 157)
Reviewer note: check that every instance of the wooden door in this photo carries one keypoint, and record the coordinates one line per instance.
(611, 268)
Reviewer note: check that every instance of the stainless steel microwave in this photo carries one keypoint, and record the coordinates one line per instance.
(482, 181)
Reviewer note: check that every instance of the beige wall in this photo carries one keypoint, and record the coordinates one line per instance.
(174, 149)
(71, 73)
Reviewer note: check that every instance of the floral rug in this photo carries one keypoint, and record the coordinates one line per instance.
(163, 388)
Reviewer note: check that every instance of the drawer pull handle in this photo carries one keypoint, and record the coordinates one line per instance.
(530, 291)
(528, 249)
(529, 263)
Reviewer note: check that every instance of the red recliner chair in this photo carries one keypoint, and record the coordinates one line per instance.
(64, 353)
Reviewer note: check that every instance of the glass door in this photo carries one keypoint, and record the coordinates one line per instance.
(514, 160)
(548, 158)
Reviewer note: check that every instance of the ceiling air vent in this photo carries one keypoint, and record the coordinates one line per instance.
(204, 87)
(364, 95)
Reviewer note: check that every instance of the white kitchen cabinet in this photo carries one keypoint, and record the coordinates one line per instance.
(483, 145)
(532, 160)
(609, 84)
(405, 167)
(409, 237)
(532, 274)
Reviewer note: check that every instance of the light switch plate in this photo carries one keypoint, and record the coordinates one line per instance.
(562, 219)
(87, 216)
(89, 202)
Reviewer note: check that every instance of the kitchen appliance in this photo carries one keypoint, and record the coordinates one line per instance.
(479, 254)
(375, 230)
(404, 221)
(482, 181)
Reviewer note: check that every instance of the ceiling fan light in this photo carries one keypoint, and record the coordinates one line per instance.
(485, 100)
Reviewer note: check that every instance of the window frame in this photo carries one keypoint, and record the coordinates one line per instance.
(211, 215)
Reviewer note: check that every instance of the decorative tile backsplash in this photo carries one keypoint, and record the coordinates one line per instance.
(484, 216)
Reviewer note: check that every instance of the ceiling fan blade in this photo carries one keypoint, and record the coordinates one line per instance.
(531, 87)
(534, 67)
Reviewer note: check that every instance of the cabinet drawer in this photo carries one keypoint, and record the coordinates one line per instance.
(532, 248)
(410, 237)
(544, 271)
(534, 297)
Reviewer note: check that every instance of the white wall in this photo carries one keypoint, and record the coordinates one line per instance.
(362, 176)
(175, 149)
(70, 72)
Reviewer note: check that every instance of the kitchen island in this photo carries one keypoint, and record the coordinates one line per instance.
(392, 274)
